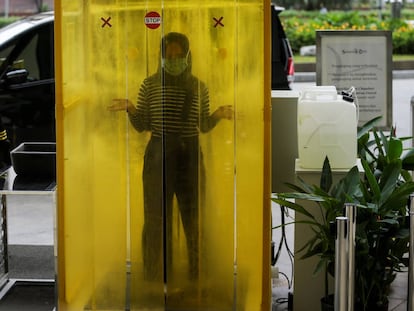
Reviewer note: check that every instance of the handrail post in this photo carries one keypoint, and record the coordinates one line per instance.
(410, 302)
(412, 120)
(341, 264)
(351, 213)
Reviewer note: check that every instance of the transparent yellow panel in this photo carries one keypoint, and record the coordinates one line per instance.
(164, 216)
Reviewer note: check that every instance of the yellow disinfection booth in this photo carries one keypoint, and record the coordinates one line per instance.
(163, 152)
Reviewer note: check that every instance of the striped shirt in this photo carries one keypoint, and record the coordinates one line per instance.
(160, 109)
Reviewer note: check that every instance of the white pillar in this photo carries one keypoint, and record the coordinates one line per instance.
(6, 8)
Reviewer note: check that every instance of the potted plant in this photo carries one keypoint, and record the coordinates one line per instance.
(329, 201)
(382, 225)
(381, 196)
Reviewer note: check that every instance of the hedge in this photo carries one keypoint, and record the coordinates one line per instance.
(302, 32)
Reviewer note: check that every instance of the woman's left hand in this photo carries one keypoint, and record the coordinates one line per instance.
(121, 104)
(224, 112)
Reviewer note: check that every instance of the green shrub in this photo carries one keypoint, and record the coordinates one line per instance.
(6, 21)
(302, 31)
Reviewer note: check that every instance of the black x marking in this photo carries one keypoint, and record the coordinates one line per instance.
(106, 22)
(218, 21)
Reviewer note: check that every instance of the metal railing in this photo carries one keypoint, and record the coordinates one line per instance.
(410, 302)
(345, 260)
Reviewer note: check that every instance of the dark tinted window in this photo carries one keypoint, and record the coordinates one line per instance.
(279, 54)
(32, 51)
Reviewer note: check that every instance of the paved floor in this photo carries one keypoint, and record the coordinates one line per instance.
(30, 219)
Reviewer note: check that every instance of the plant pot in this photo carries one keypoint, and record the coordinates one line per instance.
(328, 303)
(383, 307)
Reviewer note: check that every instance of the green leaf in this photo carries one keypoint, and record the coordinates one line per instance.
(380, 143)
(368, 126)
(403, 234)
(371, 181)
(406, 175)
(348, 187)
(395, 149)
(408, 160)
(296, 207)
(398, 199)
(389, 179)
(389, 221)
(319, 267)
(326, 176)
(306, 187)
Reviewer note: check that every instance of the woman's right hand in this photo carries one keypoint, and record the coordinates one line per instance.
(224, 112)
(121, 104)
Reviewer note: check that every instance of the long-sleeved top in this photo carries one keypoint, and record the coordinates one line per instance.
(163, 108)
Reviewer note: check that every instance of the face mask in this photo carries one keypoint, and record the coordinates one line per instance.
(175, 66)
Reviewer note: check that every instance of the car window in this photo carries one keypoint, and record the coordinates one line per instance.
(32, 51)
(27, 59)
(6, 52)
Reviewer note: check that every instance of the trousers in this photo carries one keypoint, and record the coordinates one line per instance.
(173, 166)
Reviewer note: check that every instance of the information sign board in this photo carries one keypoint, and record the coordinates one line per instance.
(362, 59)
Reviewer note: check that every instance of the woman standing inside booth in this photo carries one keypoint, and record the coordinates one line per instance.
(173, 105)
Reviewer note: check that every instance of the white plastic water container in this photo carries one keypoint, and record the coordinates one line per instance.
(327, 126)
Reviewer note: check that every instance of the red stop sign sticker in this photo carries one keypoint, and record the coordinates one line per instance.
(152, 20)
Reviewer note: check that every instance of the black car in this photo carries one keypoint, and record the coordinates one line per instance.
(27, 85)
(282, 57)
